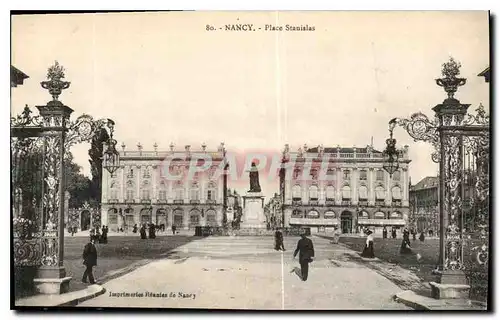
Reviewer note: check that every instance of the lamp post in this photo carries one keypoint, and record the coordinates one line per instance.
(454, 135)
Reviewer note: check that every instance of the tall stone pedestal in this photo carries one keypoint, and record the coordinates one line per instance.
(253, 211)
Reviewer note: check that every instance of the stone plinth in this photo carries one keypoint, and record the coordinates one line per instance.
(253, 211)
(449, 291)
(52, 286)
(51, 280)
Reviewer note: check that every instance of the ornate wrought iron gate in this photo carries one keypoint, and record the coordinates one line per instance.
(462, 149)
(39, 146)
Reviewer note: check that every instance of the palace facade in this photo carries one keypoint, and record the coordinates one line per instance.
(349, 190)
(141, 191)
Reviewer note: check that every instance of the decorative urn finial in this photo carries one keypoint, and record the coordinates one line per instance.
(450, 82)
(54, 84)
(123, 146)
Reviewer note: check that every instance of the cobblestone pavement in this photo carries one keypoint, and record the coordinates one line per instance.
(246, 273)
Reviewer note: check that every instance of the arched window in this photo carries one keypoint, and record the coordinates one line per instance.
(363, 214)
(313, 193)
(379, 193)
(329, 215)
(379, 215)
(346, 192)
(396, 193)
(313, 214)
(363, 192)
(296, 192)
(396, 215)
(330, 193)
(161, 217)
(194, 218)
(211, 218)
(112, 217)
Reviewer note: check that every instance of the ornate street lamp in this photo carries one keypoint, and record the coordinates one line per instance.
(111, 158)
(391, 154)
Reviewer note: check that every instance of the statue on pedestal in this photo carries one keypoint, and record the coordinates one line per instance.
(254, 179)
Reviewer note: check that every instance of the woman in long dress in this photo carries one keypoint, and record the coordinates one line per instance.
(405, 245)
(368, 250)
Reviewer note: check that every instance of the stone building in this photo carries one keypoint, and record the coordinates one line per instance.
(143, 189)
(424, 205)
(344, 188)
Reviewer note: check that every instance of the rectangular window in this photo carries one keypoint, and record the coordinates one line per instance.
(209, 195)
(130, 194)
(380, 175)
(363, 175)
(347, 175)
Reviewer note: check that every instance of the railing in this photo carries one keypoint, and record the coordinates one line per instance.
(162, 201)
(379, 202)
(194, 201)
(210, 201)
(129, 201)
(346, 202)
(296, 202)
(363, 202)
(178, 201)
(330, 202)
(113, 200)
(148, 201)
(313, 202)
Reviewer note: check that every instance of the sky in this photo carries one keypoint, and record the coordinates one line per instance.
(162, 77)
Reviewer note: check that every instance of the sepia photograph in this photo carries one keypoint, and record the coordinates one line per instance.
(250, 160)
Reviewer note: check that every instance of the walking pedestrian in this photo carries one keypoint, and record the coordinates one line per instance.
(143, 232)
(173, 229)
(368, 250)
(384, 233)
(89, 261)
(422, 237)
(279, 240)
(405, 245)
(305, 248)
(152, 230)
(394, 233)
(134, 230)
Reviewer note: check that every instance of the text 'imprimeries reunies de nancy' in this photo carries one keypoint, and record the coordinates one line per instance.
(148, 294)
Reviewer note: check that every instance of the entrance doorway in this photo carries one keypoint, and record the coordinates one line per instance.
(346, 222)
(85, 220)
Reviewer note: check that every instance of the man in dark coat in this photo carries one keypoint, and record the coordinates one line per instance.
(306, 248)
(152, 229)
(89, 260)
(384, 233)
(143, 232)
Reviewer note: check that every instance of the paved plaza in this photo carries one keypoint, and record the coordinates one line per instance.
(247, 273)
